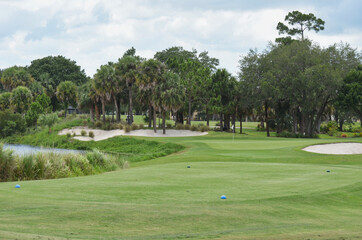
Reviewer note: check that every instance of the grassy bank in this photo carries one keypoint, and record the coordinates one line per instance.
(55, 165)
(130, 149)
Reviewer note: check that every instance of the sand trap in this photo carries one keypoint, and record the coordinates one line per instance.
(336, 148)
(102, 134)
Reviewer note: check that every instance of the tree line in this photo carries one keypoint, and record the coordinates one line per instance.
(291, 86)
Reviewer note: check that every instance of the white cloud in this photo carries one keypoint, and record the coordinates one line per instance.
(93, 32)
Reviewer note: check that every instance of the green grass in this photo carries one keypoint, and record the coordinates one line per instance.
(274, 191)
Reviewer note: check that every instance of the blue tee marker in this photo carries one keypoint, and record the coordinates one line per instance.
(17, 186)
(328, 171)
(188, 166)
(223, 197)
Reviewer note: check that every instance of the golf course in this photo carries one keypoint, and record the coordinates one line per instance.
(274, 190)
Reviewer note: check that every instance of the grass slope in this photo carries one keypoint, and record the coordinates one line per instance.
(274, 191)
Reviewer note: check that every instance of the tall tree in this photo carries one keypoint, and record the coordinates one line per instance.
(5, 101)
(16, 76)
(169, 95)
(151, 74)
(52, 70)
(66, 93)
(126, 72)
(302, 21)
(104, 85)
(350, 94)
(21, 99)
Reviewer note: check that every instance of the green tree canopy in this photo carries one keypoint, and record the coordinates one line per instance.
(301, 22)
(21, 99)
(16, 76)
(66, 93)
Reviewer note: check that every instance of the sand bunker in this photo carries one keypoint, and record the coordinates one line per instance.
(336, 148)
(102, 134)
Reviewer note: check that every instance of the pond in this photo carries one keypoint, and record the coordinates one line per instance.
(21, 149)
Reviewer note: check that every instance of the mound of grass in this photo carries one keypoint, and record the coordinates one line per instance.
(131, 149)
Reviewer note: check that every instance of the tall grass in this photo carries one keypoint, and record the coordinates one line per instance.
(55, 165)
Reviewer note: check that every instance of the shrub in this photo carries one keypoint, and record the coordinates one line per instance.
(98, 124)
(107, 126)
(11, 123)
(344, 135)
(127, 128)
(287, 134)
(69, 135)
(168, 125)
(330, 128)
(179, 126)
(203, 128)
(259, 128)
(360, 134)
(96, 158)
(134, 126)
(91, 134)
(187, 127)
(194, 128)
(7, 164)
(120, 126)
(141, 126)
(83, 133)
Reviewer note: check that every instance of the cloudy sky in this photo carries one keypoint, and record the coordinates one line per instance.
(93, 32)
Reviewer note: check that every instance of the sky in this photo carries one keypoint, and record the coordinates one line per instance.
(94, 32)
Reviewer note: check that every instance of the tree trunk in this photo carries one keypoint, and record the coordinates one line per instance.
(266, 119)
(130, 106)
(341, 122)
(164, 122)
(65, 111)
(221, 127)
(117, 109)
(104, 110)
(262, 123)
(233, 122)
(154, 120)
(207, 117)
(295, 122)
(241, 122)
(98, 115)
(150, 116)
(190, 105)
(91, 112)
(180, 117)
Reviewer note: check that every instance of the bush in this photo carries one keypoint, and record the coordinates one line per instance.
(260, 129)
(69, 135)
(120, 126)
(7, 164)
(179, 126)
(194, 128)
(187, 127)
(287, 134)
(11, 123)
(91, 134)
(343, 135)
(141, 126)
(127, 128)
(330, 128)
(98, 124)
(168, 125)
(83, 133)
(203, 128)
(134, 126)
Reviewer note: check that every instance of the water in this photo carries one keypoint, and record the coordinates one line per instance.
(21, 149)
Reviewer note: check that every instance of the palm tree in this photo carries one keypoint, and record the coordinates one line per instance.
(169, 95)
(103, 85)
(66, 92)
(127, 71)
(150, 75)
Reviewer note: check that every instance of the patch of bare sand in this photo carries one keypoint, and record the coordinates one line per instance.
(103, 134)
(336, 148)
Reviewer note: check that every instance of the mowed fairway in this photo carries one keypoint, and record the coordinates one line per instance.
(274, 191)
